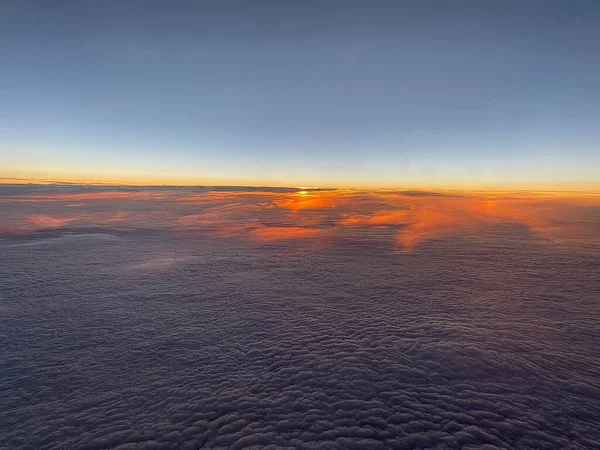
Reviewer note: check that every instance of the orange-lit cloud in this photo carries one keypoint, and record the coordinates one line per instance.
(412, 217)
(304, 200)
(383, 217)
(80, 196)
(46, 221)
(426, 217)
(269, 234)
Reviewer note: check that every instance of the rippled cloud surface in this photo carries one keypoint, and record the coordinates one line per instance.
(191, 318)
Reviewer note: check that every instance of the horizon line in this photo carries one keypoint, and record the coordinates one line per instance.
(9, 181)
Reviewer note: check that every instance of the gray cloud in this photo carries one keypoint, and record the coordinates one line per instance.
(156, 340)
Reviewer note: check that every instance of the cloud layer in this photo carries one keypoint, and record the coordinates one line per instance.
(281, 214)
(243, 320)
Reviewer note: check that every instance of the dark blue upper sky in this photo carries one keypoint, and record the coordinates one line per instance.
(421, 93)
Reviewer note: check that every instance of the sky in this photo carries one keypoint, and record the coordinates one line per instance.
(427, 94)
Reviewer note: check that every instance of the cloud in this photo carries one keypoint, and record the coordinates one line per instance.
(404, 221)
(208, 344)
(46, 221)
(266, 233)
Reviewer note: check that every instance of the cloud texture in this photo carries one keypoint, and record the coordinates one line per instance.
(240, 320)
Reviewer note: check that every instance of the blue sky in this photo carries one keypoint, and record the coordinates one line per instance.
(367, 94)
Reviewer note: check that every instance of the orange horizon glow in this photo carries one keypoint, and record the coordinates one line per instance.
(153, 180)
(263, 216)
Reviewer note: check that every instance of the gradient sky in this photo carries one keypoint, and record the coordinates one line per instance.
(427, 94)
